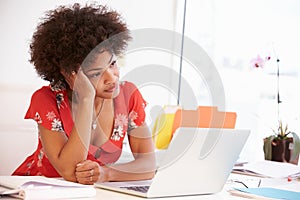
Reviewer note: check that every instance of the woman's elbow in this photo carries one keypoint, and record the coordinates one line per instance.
(70, 178)
(68, 175)
(151, 175)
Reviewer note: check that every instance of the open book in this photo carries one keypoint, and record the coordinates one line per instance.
(39, 187)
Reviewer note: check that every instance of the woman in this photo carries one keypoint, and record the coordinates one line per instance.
(85, 113)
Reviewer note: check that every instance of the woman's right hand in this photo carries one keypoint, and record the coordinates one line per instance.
(80, 84)
(89, 172)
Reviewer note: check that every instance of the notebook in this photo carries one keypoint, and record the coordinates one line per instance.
(198, 161)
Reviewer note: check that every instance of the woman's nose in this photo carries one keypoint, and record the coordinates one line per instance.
(110, 76)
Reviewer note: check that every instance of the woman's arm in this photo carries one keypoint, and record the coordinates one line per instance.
(141, 168)
(64, 153)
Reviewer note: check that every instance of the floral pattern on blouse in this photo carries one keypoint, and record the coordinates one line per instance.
(40, 158)
(38, 118)
(132, 117)
(51, 116)
(121, 120)
(59, 99)
(117, 133)
(56, 125)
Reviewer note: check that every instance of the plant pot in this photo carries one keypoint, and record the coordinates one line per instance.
(282, 151)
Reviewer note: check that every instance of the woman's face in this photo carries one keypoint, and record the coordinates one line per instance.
(104, 75)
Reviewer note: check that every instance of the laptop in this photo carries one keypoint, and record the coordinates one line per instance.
(198, 161)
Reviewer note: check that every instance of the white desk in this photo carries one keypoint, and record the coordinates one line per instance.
(250, 181)
(223, 195)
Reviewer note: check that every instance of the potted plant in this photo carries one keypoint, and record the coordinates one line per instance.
(282, 146)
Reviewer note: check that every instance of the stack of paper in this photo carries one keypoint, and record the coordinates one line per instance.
(268, 168)
(39, 187)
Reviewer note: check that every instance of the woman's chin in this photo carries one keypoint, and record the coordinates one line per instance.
(116, 92)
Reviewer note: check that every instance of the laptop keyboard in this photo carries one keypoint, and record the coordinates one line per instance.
(142, 189)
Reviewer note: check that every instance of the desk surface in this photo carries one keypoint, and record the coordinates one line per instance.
(224, 194)
(250, 181)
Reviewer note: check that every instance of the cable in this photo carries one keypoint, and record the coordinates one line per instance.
(181, 52)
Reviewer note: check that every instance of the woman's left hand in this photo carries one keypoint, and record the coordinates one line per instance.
(88, 172)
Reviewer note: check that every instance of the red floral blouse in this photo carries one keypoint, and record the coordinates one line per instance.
(50, 107)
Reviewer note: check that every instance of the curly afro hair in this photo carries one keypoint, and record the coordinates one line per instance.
(67, 35)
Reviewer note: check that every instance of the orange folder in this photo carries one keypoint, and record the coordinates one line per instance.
(203, 117)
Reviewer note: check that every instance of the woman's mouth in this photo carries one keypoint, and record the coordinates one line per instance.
(110, 89)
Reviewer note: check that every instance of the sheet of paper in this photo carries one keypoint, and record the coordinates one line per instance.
(271, 193)
(268, 168)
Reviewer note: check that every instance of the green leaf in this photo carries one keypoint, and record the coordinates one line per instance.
(281, 128)
(296, 149)
(268, 147)
(286, 128)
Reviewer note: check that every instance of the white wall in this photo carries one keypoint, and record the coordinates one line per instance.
(18, 20)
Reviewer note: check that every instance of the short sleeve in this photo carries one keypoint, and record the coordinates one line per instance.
(136, 106)
(44, 110)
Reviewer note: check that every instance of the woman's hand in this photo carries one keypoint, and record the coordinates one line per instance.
(89, 172)
(80, 83)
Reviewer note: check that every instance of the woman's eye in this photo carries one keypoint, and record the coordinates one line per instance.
(113, 63)
(94, 75)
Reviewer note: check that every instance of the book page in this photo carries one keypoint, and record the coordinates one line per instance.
(23, 181)
(39, 187)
